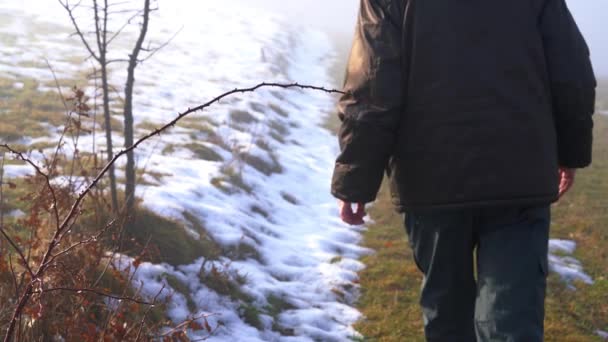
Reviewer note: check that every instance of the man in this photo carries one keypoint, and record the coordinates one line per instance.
(480, 111)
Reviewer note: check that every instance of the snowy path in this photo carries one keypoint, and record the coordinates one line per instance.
(306, 256)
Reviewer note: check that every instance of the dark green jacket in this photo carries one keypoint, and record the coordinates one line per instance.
(464, 103)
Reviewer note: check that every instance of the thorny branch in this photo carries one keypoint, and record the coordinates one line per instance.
(186, 323)
(18, 250)
(75, 207)
(81, 243)
(82, 291)
(147, 312)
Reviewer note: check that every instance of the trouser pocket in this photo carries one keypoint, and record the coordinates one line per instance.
(512, 270)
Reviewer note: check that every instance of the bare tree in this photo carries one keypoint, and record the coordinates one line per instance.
(128, 110)
(101, 31)
(100, 55)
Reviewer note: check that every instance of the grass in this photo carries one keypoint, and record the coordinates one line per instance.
(203, 152)
(583, 216)
(279, 127)
(279, 110)
(242, 116)
(231, 181)
(258, 107)
(180, 288)
(391, 282)
(242, 251)
(15, 196)
(256, 209)
(277, 136)
(28, 112)
(168, 239)
(264, 166)
(224, 283)
(602, 94)
(289, 198)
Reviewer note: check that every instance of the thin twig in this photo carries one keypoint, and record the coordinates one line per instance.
(19, 251)
(81, 243)
(77, 28)
(10, 265)
(184, 324)
(145, 315)
(39, 171)
(152, 52)
(1, 196)
(67, 121)
(83, 291)
(127, 23)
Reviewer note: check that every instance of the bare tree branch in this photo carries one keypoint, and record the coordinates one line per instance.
(153, 51)
(79, 32)
(14, 276)
(39, 171)
(82, 291)
(127, 23)
(66, 126)
(182, 326)
(19, 251)
(81, 243)
(147, 312)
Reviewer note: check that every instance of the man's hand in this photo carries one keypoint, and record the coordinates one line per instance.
(347, 215)
(566, 180)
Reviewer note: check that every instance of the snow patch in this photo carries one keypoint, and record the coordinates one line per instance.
(17, 171)
(563, 263)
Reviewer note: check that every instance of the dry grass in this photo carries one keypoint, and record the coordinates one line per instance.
(267, 167)
(27, 112)
(242, 116)
(391, 280)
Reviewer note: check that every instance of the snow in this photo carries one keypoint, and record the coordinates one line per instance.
(297, 242)
(563, 263)
(15, 213)
(562, 246)
(17, 171)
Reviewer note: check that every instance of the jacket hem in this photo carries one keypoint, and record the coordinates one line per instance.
(401, 208)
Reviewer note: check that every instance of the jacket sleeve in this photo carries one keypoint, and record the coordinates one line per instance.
(572, 84)
(371, 109)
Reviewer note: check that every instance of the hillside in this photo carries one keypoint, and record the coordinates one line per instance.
(234, 200)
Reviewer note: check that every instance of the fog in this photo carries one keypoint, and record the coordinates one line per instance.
(338, 17)
(591, 16)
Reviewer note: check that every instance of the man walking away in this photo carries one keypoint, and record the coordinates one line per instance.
(480, 111)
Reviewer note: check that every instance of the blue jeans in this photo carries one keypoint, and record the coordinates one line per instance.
(484, 271)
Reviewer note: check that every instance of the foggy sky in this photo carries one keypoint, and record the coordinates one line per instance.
(592, 17)
(338, 17)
